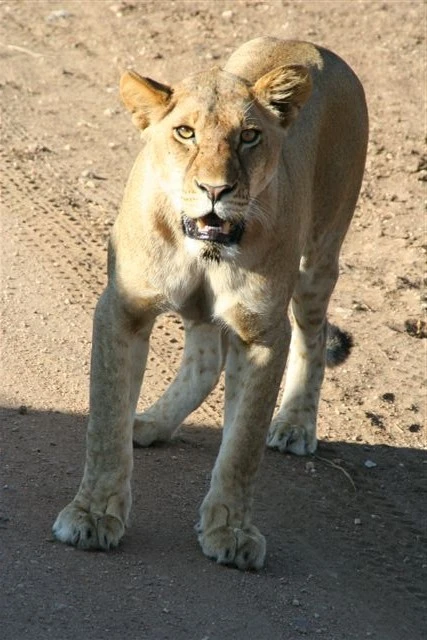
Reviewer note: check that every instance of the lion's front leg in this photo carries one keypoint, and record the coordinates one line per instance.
(97, 516)
(253, 375)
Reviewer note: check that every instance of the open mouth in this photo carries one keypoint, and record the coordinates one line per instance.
(212, 228)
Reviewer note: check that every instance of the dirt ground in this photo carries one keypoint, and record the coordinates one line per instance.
(346, 529)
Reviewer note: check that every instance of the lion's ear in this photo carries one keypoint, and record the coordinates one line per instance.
(284, 90)
(143, 97)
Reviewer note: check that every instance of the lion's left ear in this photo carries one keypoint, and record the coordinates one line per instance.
(145, 98)
(284, 90)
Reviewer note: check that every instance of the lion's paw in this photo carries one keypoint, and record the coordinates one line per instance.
(81, 528)
(243, 548)
(294, 438)
(146, 431)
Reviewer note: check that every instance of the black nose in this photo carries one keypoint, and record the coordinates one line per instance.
(215, 192)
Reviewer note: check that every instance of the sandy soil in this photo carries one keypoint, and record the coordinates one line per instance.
(346, 541)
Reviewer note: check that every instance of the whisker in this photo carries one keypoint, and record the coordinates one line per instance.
(262, 214)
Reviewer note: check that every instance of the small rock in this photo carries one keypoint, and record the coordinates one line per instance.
(422, 163)
(59, 14)
(119, 8)
(296, 602)
(370, 464)
(212, 55)
(357, 521)
(23, 410)
(88, 173)
(416, 328)
(227, 15)
(360, 306)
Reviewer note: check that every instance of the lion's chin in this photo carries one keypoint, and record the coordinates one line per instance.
(213, 230)
(212, 252)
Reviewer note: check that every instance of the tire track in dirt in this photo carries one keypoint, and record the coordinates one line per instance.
(68, 232)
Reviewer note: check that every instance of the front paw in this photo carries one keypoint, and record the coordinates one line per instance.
(289, 436)
(242, 548)
(87, 529)
(227, 536)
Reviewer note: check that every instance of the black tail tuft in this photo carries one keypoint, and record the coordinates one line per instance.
(338, 346)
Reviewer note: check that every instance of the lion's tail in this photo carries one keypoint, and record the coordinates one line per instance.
(338, 346)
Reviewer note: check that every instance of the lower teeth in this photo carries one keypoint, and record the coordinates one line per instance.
(224, 228)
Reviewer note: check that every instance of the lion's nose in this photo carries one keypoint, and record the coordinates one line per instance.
(215, 192)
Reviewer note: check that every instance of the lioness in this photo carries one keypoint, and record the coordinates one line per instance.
(237, 205)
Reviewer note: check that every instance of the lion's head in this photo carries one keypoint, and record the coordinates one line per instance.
(214, 143)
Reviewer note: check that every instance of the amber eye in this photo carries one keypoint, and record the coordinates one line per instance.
(250, 136)
(186, 133)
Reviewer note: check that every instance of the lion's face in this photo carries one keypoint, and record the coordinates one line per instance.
(215, 152)
(214, 144)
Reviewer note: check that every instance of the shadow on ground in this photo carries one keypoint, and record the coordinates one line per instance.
(346, 543)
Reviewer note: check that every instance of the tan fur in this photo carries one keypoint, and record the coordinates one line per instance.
(294, 187)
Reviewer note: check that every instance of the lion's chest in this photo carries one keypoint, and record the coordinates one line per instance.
(224, 296)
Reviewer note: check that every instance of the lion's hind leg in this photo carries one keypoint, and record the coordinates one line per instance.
(202, 363)
(294, 427)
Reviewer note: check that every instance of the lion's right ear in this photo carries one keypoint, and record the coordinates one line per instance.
(145, 98)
